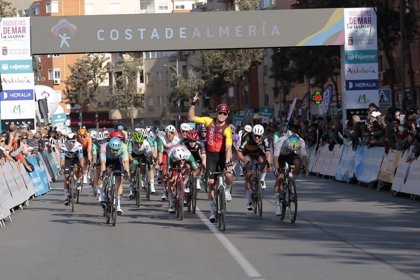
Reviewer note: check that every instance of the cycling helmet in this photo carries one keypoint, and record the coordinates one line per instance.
(222, 108)
(293, 142)
(71, 136)
(248, 128)
(203, 128)
(192, 136)
(170, 128)
(117, 134)
(115, 143)
(106, 134)
(138, 137)
(93, 134)
(82, 131)
(179, 154)
(283, 127)
(258, 130)
(120, 127)
(100, 136)
(185, 127)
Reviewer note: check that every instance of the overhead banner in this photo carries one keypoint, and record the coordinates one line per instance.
(360, 58)
(191, 31)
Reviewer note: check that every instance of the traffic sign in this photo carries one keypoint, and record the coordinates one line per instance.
(385, 98)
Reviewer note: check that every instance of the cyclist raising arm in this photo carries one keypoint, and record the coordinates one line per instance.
(285, 150)
(218, 149)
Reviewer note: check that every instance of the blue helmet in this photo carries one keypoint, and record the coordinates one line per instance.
(115, 143)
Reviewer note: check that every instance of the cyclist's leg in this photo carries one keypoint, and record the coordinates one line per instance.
(85, 166)
(212, 166)
(278, 184)
(68, 164)
(247, 169)
(263, 168)
(170, 181)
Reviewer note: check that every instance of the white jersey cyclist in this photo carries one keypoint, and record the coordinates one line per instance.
(288, 144)
(71, 152)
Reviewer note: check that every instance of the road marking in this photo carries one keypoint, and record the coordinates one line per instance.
(249, 269)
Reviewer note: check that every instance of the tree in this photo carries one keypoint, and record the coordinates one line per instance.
(186, 88)
(86, 76)
(125, 94)
(222, 68)
(6, 9)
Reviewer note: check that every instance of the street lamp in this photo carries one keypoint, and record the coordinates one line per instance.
(176, 70)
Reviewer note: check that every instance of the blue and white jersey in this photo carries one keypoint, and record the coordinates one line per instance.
(67, 152)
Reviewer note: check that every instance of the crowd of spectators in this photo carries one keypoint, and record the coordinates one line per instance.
(17, 143)
(392, 129)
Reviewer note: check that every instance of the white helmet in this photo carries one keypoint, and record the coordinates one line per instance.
(248, 128)
(93, 134)
(170, 128)
(100, 136)
(185, 127)
(179, 154)
(258, 130)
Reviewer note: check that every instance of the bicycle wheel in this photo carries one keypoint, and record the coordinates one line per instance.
(113, 201)
(72, 194)
(221, 211)
(180, 196)
(254, 194)
(292, 201)
(260, 200)
(283, 203)
(194, 196)
(137, 187)
(107, 204)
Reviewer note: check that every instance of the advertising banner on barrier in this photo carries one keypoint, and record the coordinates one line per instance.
(412, 183)
(367, 162)
(389, 166)
(345, 169)
(41, 187)
(5, 197)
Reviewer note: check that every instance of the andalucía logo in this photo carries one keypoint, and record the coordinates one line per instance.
(65, 31)
(13, 95)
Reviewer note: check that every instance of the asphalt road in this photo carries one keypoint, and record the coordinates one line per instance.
(342, 232)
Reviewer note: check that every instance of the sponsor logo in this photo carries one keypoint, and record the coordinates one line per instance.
(353, 70)
(361, 84)
(20, 80)
(65, 31)
(13, 29)
(356, 57)
(13, 95)
(16, 66)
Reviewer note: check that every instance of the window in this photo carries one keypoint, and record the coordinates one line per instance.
(150, 101)
(161, 100)
(163, 7)
(89, 8)
(115, 7)
(35, 9)
(48, 7)
(54, 7)
(159, 75)
(179, 7)
(141, 76)
(148, 78)
(54, 74)
(53, 55)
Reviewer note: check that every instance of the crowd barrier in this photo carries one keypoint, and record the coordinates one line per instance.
(368, 166)
(17, 186)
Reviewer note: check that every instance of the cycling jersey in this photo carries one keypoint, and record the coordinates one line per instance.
(86, 142)
(137, 149)
(197, 150)
(188, 156)
(163, 143)
(71, 153)
(218, 137)
(249, 146)
(106, 153)
(281, 147)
